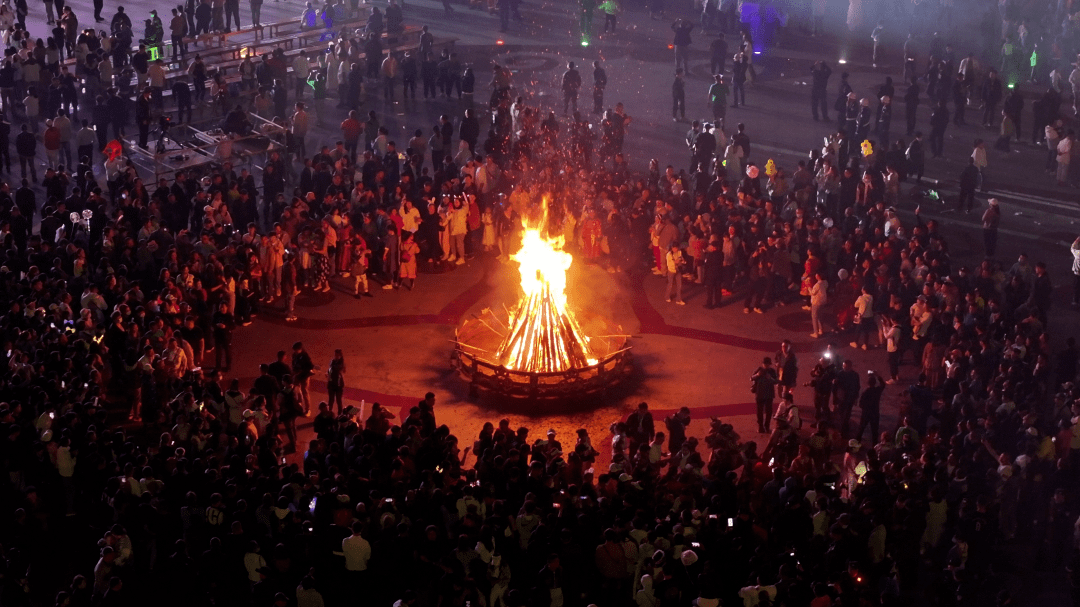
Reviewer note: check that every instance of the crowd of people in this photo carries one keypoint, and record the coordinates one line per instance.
(123, 298)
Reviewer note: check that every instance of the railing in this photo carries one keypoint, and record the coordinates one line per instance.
(486, 375)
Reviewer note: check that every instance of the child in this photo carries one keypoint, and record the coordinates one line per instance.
(488, 239)
(361, 258)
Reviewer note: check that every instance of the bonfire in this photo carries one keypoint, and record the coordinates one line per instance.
(539, 348)
(543, 335)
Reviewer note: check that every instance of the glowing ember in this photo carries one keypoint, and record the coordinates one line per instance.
(543, 335)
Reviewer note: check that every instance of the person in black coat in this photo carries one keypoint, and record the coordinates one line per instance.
(5, 143)
(118, 114)
(714, 269)
(224, 323)
(142, 117)
(26, 148)
(820, 72)
(870, 403)
(640, 426)
(281, 99)
(969, 179)
(469, 130)
(99, 117)
(911, 106)
(355, 85)
(939, 121)
(182, 94)
(916, 157)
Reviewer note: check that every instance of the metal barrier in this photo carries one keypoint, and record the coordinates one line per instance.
(572, 383)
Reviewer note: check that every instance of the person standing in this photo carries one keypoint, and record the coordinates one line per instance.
(357, 551)
(351, 128)
(911, 106)
(469, 130)
(142, 116)
(289, 286)
(459, 216)
(714, 271)
(870, 403)
(224, 323)
(841, 103)
(893, 336)
(640, 427)
(256, 13)
(718, 94)
(1042, 291)
(177, 30)
(877, 36)
(300, 125)
(85, 139)
(302, 370)
(673, 264)
(846, 388)
(978, 154)
(611, 9)
(678, 97)
(1075, 250)
(820, 73)
(1014, 109)
(599, 84)
(787, 365)
(409, 70)
(26, 148)
(571, 83)
(939, 121)
(704, 148)
(884, 120)
(969, 180)
(764, 382)
(682, 29)
(1074, 82)
(759, 273)
(863, 121)
(916, 157)
(409, 251)
(991, 96)
(864, 308)
(739, 67)
(1064, 156)
(65, 128)
(388, 71)
(719, 52)
(990, 220)
(819, 297)
(335, 380)
(429, 76)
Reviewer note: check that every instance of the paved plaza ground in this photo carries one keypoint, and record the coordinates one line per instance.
(397, 344)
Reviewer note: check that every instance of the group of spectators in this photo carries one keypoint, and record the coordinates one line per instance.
(122, 301)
